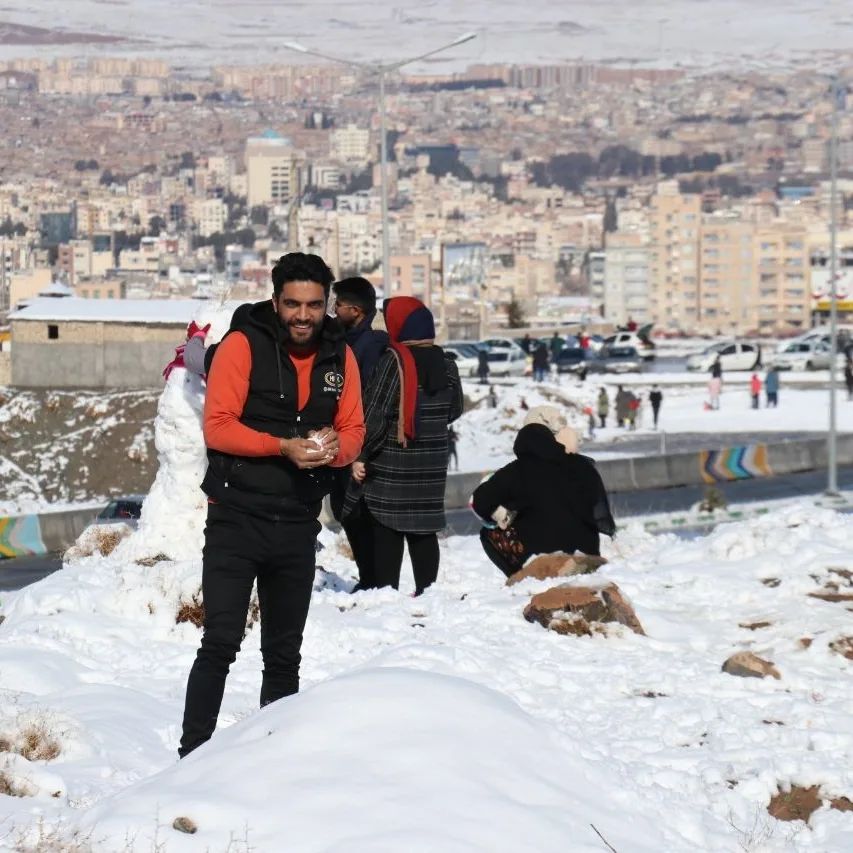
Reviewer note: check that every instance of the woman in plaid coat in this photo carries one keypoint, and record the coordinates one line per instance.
(397, 494)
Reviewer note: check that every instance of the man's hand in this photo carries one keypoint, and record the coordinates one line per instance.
(329, 440)
(304, 452)
(359, 471)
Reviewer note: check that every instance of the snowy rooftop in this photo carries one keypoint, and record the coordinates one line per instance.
(168, 311)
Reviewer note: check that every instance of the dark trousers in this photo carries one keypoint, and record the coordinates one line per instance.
(656, 414)
(388, 555)
(755, 401)
(603, 419)
(238, 548)
(772, 398)
(359, 531)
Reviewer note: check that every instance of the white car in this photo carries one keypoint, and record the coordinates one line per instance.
(732, 355)
(465, 356)
(501, 343)
(803, 355)
(504, 361)
(640, 340)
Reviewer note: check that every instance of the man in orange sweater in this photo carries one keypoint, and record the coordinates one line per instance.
(283, 408)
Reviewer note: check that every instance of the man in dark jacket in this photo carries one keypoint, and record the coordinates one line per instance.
(656, 398)
(557, 498)
(540, 361)
(283, 404)
(355, 308)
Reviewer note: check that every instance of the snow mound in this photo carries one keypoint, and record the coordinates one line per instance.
(443, 764)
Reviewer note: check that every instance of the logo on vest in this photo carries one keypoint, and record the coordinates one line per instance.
(334, 381)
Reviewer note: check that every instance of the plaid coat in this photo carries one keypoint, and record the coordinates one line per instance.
(404, 488)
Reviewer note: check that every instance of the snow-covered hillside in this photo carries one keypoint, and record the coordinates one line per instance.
(442, 723)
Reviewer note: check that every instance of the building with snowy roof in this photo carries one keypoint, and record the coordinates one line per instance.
(94, 343)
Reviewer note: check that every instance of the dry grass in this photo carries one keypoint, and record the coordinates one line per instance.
(50, 839)
(148, 562)
(37, 743)
(11, 787)
(191, 611)
(34, 741)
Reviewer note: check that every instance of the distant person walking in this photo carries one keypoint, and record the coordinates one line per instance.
(755, 389)
(452, 438)
(771, 387)
(717, 369)
(602, 406)
(633, 409)
(526, 343)
(556, 346)
(715, 387)
(483, 366)
(655, 399)
(848, 378)
(540, 362)
(622, 400)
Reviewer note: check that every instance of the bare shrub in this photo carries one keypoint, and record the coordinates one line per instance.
(12, 787)
(191, 611)
(148, 562)
(37, 743)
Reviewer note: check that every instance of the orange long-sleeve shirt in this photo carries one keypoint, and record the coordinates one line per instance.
(228, 388)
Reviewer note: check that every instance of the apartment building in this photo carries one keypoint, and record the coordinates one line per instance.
(728, 293)
(350, 144)
(273, 170)
(627, 260)
(674, 220)
(411, 276)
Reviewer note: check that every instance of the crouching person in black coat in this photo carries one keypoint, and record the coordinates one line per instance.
(549, 499)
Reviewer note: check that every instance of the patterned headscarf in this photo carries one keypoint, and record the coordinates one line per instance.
(408, 321)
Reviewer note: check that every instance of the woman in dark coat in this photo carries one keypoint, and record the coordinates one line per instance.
(557, 496)
(413, 395)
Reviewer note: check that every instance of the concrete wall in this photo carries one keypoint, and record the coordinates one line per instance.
(92, 355)
(676, 469)
(23, 535)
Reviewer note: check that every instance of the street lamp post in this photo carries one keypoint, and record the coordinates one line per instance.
(381, 70)
(832, 492)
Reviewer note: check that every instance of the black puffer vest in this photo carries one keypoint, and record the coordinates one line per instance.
(272, 486)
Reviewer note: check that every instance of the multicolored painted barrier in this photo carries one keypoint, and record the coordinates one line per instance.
(21, 536)
(734, 463)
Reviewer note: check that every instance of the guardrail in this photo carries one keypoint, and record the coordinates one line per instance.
(55, 531)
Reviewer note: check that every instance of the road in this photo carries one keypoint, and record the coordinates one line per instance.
(15, 574)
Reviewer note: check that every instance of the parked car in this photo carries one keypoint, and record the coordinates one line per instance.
(615, 360)
(733, 356)
(803, 355)
(573, 360)
(126, 509)
(465, 356)
(505, 361)
(501, 343)
(640, 341)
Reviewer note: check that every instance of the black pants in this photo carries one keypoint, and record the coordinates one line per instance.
(656, 414)
(237, 549)
(388, 555)
(359, 531)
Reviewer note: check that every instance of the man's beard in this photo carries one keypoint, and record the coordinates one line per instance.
(302, 343)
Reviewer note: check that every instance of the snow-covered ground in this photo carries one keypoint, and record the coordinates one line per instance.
(447, 722)
(667, 32)
(486, 435)
(443, 723)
